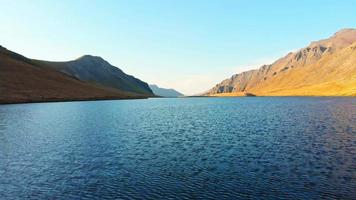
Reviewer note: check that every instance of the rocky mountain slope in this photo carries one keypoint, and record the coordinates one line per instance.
(24, 80)
(96, 70)
(324, 68)
(163, 92)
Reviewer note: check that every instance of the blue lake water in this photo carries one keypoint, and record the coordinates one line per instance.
(189, 148)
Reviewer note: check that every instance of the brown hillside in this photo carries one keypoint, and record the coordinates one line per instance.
(21, 80)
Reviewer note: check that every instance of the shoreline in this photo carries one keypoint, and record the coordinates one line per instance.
(139, 98)
(69, 100)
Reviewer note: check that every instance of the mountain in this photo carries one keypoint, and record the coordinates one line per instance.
(163, 92)
(96, 70)
(324, 68)
(25, 80)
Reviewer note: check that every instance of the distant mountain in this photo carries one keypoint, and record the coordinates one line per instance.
(96, 70)
(25, 80)
(326, 68)
(163, 92)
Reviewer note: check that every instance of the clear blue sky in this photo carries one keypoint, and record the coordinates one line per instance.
(189, 45)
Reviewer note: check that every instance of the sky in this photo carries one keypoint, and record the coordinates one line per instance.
(188, 45)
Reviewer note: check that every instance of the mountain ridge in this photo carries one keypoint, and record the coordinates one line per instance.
(23, 80)
(96, 70)
(267, 80)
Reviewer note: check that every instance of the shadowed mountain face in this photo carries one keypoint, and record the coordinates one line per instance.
(326, 67)
(163, 92)
(26, 80)
(97, 71)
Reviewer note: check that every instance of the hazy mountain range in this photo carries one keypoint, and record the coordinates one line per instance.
(87, 78)
(324, 68)
(163, 92)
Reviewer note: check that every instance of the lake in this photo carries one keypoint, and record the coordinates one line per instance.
(184, 148)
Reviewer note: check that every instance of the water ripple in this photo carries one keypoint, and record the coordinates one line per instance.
(194, 148)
